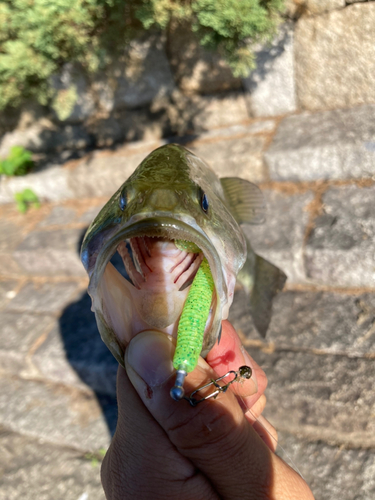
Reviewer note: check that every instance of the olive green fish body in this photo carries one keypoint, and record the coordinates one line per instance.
(173, 197)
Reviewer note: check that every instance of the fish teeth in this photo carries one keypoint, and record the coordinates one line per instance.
(134, 275)
(147, 248)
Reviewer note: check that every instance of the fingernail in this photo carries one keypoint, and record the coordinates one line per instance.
(150, 355)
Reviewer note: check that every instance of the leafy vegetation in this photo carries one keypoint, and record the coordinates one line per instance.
(18, 162)
(25, 199)
(229, 26)
(38, 37)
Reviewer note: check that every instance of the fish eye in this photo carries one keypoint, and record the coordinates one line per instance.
(204, 202)
(123, 201)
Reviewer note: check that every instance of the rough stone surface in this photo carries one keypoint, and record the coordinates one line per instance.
(59, 216)
(18, 334)
(74, 353)
(335, 58)
(57, 414)
(102, 173)
(218, 111)
(196, 69)
(7, 291)
(325, 322)
(47, 298)
(50, 184)
(240, 156)
(271, 86)
(8, 266)
(11, 234)
(45, 136)
(320, 397)
(328, 145)
(254, 127)
(51, 253)
(340, 249)
(317, 7)
(32, 469)
(73, 77)
(143, 76)
(280, 238)
(331, 473)
(90, 214)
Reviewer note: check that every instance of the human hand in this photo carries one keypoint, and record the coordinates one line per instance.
(163, 449)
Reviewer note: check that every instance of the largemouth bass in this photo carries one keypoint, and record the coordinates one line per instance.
(171, 198)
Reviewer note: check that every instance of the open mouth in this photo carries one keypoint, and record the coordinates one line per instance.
(158, 265)
(151, 290)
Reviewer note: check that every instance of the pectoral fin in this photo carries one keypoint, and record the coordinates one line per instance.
(262, 281)
(245, 200)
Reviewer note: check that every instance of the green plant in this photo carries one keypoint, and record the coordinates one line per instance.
(37, 37)
(25, 199)
(229, 26)
(18, 162)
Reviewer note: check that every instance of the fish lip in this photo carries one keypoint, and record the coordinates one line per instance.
(156, 224)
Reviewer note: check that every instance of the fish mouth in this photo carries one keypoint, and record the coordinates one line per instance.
(152, 291)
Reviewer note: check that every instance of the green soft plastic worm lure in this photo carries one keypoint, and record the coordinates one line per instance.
(193, 321)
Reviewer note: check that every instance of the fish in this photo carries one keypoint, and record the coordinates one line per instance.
(174, 196)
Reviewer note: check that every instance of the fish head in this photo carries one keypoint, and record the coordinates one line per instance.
(172, 195)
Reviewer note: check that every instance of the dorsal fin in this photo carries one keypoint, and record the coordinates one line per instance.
(245, 200)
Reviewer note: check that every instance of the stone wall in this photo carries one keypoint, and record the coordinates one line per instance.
(323, 58)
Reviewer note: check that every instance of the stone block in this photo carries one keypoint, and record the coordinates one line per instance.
(58, 216)
(204, 112)
(328, 145)
(18, 333)
(340, 248)
(331, 471)
(194, 68)
(237, 131)
(72, 83)
(324, 322)
(49, 184)
(143, 75)
(9, 267)
(236, 157)
(51, 253)
(317, 7)
(45, 137)
(7, 291)
(320, 397)
(31, 469)
(89, 215)
(64, 416)
(271, 85)
(74, 354)
(109, 131)
(11, 235)
(280, 238)
(103, 172)
(44, 298)
(335, 58)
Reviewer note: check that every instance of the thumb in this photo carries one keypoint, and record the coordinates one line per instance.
(215, 436)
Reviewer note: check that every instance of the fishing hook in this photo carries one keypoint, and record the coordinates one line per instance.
(177, 391)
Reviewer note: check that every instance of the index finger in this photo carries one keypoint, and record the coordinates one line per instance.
(214, 435)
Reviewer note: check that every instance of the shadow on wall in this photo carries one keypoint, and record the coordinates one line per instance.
(88, 355)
